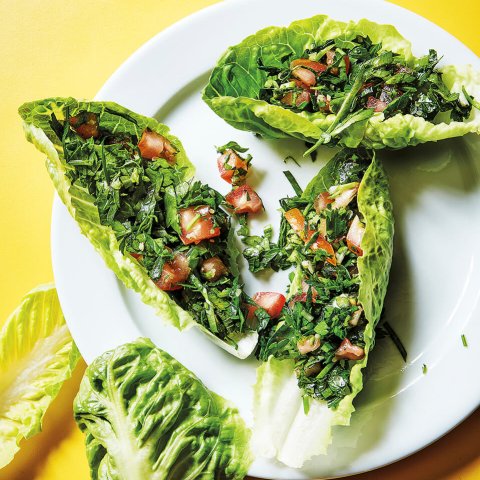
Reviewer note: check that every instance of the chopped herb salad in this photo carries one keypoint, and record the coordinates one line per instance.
(349, 83)
(321, 327)
(138, 182)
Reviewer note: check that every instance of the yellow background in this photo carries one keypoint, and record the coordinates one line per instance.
(59, 48)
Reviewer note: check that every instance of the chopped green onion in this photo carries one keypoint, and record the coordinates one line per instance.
(293, 182)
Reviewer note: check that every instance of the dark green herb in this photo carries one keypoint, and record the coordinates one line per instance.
(140, 200)
(289, 157)
(396, 340)
(293, 182)
(424, 369)
(355, 80)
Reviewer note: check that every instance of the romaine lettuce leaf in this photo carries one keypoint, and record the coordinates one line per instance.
(147, 417)
(282, 428)
(37, 355)
(81, 205)
(235, 83)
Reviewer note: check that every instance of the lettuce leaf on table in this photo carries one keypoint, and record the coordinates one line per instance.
(39, 129)
(235, 83)
(282, 427)
(146, 416)
(37, 354)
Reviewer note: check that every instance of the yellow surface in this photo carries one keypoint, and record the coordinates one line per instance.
(59, 47)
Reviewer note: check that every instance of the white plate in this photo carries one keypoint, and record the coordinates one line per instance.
(434, 292)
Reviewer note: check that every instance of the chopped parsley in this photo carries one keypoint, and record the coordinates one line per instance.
(141, 199)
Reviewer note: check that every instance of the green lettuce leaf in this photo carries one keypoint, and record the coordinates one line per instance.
(37, 355)
(235, 83)
(81, 205)
(282, 428)
(147, 417)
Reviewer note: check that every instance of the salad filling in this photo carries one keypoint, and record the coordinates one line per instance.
(338, 234)
(321, 327)
(350, 83)
(172, 226)
(354, 75)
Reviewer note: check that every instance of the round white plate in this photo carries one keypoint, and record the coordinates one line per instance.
(434, 291)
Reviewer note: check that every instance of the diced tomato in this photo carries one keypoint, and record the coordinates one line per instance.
(321, 201)
(153, 145)
(305, 75)
(355, 236)
(300, 84)
(231, 165)
(213, 269)
(244, 199)
(344, 198)
(173, 273)
(85, 124)
(197, 224)
(169, 152)
(321, 244)
(376, 104)
(137, 256)
(303, 97)
(296, 220)
(305, 62)
(301, 298)
(346, 59)
(272, 302)
(348, 351)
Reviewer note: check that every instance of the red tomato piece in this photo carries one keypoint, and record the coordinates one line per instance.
(305, 75)
(296, 220)
(231, 165)
(321, 243)
(244, 199)
(303, 97)
(213, 269)
(348, 351)
(271, 302)
(196, 224)
(153, 145)
(346, 59)
(137, 256)
(376, 104)
(174, 272)
(355, 236)
(312, 65)
(85, 124)
(321, 201)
